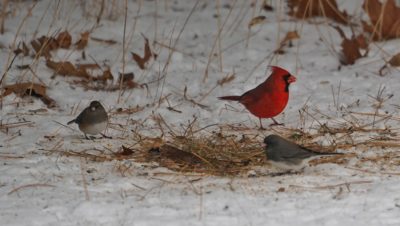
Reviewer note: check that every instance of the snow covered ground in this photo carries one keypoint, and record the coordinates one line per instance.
(41, 186)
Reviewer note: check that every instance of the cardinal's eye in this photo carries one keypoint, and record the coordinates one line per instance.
(286, 77)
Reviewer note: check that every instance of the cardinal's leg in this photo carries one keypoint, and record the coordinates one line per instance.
(276, 123)
(261, 126)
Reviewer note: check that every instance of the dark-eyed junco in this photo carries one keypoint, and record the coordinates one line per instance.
(93, 120)
(287, 155)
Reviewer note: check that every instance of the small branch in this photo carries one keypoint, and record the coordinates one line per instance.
(347, 184)
(28, 186)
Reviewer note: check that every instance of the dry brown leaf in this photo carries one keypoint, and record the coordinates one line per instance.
(24, 49)
(141, 61)
(107, 75)
(44, 45)
(88, 66)
(126, 77)
(395, 60)
(106, 41)
(290, 35)
(82, 43)
(31, 89)
(127, 82)
(39, 50)
(66, 68)
(267, 7)
(228, 78)
(350, 51)
(351, 47)
(23, 66)
(50, 42)
(124, 153)
(310, 8)
(64, 40)
(102, 86)
(256, 20)
(362, 41)
(384, 18)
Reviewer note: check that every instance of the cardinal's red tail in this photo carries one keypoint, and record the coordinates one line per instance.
(236, 98)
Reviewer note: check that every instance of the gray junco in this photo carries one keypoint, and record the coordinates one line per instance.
(287, 155)
(93, 120)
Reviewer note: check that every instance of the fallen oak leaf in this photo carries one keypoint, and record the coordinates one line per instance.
(256, 20)
(31, 89)
(265, 6)
(126, 77)
(141, 61)
(351, 47)
(394, 62)
(24, 50)
(23, 67)
(102, 86)
(309, 8)
(82, 43)
(124, 153)
(226, 79)
(64, 40)
(50, 42)
(385, 22)
(290, 35)
(44, 45)
(39, 50)
(106, 41)
(88, 66)
(67, 68)
(107, 75)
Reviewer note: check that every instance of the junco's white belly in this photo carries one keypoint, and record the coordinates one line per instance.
(288, 165)
(93, 129)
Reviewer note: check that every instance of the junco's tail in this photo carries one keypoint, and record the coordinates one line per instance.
(331, 153)
(72, 121)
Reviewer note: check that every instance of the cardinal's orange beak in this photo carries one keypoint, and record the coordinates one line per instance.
(291, 79)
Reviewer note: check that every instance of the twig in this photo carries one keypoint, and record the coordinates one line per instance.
(123, 50)
(347, 184)
(8, 68)
(373, 172)
(28, 186)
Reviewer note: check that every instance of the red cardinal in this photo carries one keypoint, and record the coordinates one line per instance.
(269, 98)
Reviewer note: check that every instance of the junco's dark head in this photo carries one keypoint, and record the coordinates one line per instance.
(94, 105)
(272, 140)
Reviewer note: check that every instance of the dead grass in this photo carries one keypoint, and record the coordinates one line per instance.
(234, 151)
